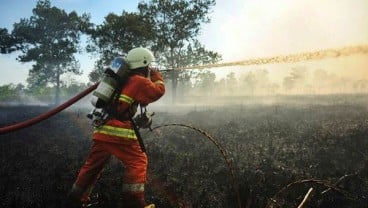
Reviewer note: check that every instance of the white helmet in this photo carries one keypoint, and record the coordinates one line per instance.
(139, 57)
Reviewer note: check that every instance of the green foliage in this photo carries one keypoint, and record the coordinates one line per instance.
(10, 92)
(7, 41)
(38, 93)
(175, 22)
(116, 36)
(46, 93)
(72, 89)
(50, 38)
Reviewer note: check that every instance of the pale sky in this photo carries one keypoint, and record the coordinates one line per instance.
(239, 30)
(247, 29)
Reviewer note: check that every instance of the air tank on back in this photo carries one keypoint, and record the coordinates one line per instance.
(113, 77)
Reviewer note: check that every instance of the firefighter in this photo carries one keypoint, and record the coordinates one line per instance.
(117, 137)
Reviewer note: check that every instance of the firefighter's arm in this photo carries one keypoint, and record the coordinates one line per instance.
(151, 90)
(156, 77)
(124, 102)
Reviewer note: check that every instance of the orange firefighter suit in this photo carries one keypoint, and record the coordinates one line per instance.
(117, 137)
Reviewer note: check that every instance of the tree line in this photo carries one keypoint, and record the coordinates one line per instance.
(299, 81)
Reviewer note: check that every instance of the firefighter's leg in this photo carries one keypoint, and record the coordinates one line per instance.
(89, 173)
(134, 178)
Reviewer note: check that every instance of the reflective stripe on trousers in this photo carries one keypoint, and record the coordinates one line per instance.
(116, 131)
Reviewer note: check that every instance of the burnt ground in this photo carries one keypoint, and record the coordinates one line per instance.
(270, 146)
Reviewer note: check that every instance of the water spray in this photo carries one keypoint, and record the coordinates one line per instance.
(291, 58)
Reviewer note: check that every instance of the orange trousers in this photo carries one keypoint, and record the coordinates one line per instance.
(134, 161)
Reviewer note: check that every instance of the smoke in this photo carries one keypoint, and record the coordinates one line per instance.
(342, 76)
(243, 29)
(340, 70)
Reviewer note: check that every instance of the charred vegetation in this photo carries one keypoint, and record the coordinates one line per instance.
(278, 152)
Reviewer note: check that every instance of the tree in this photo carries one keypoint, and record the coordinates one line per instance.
(231, 82)
(361, 86)
(288, 83)
(296, 79)
(206, 82)
(249, 83)
(176, 24)
(50, 38)
(116, 36)
(257, 82)
(10, 92)
(7, 41)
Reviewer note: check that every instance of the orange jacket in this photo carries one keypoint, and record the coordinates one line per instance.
(137, 90)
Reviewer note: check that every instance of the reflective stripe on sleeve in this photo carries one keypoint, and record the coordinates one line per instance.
(133, 187)
(126, 98)
(159, 82)
(116, 131)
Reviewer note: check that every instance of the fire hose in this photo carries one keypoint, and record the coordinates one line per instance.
(48, 114)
